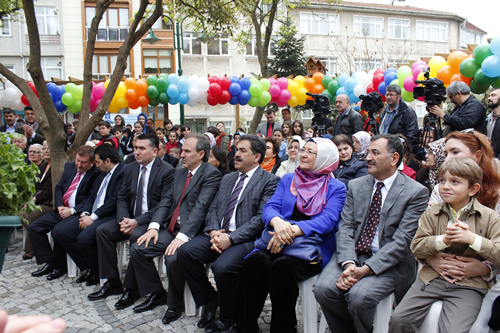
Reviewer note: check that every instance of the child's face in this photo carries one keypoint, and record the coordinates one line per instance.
(172, 137)
(456, 191)
(160, 135)
(119, 135)
(174, 155)
(103, 130)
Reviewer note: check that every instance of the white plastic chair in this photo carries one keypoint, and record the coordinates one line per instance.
(383, 314)
(309, 305)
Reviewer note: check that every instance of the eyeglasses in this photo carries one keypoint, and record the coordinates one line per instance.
(34, 152)
(391, 95)
(471, 130)
(310, 152)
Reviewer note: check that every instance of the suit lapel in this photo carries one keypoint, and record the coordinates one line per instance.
(393, 194)
(154, 171)
(364, 197)
(251, 183)
(193, 181)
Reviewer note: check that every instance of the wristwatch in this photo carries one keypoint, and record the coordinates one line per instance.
(73, 211)
(84, 214)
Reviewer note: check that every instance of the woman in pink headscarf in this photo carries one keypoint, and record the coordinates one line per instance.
(305, 203)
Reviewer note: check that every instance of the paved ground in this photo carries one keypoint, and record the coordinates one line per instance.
(22, 294)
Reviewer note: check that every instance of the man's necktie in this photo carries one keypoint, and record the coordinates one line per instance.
(140, 193)
(71, 188)
(104, 185)
(232, 202)
(270, 131)
(177, 211)
(365, 242)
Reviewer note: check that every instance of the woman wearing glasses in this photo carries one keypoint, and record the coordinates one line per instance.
(295, 143)
(305, 204)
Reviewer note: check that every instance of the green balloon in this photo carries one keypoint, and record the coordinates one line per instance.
(255, 90)
(151, 80)
(407, 96)
(73, 109)
(328, 94)
(326, 81)
(482, 79)
(70, 87)
(397, 82)
(152, 92)
(253, 102)
(496, 84)
(154, 101)
(163, 97)
(333, 86)
(477, 88)
(468, 67)
(403, 72)
(481, 52)
(67, 99)
(78, 92)
(265, 84)
(162, 84)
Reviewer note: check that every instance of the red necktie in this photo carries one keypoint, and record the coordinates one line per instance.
(270, 131)
(71, 188)
(175, 216)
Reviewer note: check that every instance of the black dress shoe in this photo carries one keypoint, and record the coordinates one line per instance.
(46, 269)
(105, 291)
(56, 273)
(207, 315)
(155, 299)
(84, 277)
(219, 325)
(171, 315)
(94, 279)
(128, 298)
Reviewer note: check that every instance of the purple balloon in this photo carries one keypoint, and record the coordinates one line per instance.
(245, 83)
(244, 97)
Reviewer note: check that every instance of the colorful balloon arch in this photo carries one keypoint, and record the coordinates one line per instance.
(479, 70)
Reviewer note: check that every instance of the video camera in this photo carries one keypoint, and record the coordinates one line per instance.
(433, 90)
(321, 109)
(372, 103)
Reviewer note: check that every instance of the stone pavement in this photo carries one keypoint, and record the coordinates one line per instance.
(22, 294)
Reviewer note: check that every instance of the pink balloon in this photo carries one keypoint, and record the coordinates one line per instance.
(409, 84)
(274, 90)
(283, 82)
(284, 96)
(418, 63)
(281, 104)
(272, 80)
(98, 90)
(417, 70)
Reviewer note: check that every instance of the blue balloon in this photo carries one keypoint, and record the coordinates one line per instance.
(234, 89)
(184, 84)
(343, 78)
(173, 91)
(244, 97)
(381, 88)
(234, 100)
(350, 83)
(173, 100)
(173, 79)
(390, 70)
(245, 83)
(491, 66)
(60, 106)
(389, 77)
(234, 79)
(57, 93)
(183, 98)
(51, 86)
(353, 98)
(342, 91)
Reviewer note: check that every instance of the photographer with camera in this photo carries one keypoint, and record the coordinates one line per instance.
(399, 118)
(349, 121)
(468, 113)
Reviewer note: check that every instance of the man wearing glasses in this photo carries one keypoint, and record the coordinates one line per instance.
(398, 117)
(468, 113)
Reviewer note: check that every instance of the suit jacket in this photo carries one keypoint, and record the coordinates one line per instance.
(43, 189)
(38, 138)
(324, 224)
(403, 206)
(109, 206)
(160, 180)
(18, 128)
(262, 127)
(196, 200)
(83, 189)
(248, 216)
(170, 160)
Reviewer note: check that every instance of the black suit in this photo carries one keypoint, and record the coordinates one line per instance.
(108, 234)
(142, 273)
(81, 244)
(248, 218)
(171, 160)
(39, 229)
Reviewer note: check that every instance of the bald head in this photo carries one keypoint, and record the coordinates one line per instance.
(342, 103)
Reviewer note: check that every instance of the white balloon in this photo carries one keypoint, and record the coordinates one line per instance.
(194, 80)
(192, 102)
(203, 97)
(194, 94)
(203, 84)
(371, 72)
(9, 84)
(18, 105)
(359, 90)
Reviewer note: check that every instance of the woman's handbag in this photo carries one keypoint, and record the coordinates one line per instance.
(303, 247)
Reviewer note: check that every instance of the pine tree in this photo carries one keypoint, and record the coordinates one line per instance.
(289, 52)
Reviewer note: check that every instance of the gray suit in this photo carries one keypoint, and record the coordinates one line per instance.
(393, 264)
(263, 127)
(141, 272)
(196, 253)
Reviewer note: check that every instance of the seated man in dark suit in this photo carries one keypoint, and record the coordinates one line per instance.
(162, 154)
(373, 257)
(70, 194)
(233, 222)
(178, 218)
(77, 233)
(146, 181)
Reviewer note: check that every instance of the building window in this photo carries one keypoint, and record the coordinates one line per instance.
(157, 61)
(432, 31)
(468, 37)
(330, 65)
(251, 49)
(47, 19)
(420, 108)
(367, 64)
(219, 46)
(113, 26)
(103, 66)
(399, 29)
(395, 62)
(191, 44)
(367, 26)
(319, 23)
(227, 126)
(5, 24)
(51, 67)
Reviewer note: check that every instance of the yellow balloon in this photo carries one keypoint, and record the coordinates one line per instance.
(121, 102)
(106, 83)
(293, 102)
(302, 101)
(301, 95)
(435, 60)
(121, 90)
(293, 87)
(113, 108)
(421, 77)
(300, 80)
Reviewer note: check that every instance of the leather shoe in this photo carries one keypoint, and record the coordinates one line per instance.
(28, 256)
(46, 269)
(219, 325)
(105, 291)
(155, 299)
(56, 273)
(94, 279)
(207, 315)
(128, 298)
(171, 315)
(84, 277)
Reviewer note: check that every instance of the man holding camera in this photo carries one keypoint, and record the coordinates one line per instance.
(468, 113)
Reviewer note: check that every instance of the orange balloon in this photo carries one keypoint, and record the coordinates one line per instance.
(133, 105)
(444, 74)
(318, 77)
(143, 101)
(318, 89)
(455, 58)
(131, 95)
(309, 84)
(141, 86)
(130, 83)
(460, 77)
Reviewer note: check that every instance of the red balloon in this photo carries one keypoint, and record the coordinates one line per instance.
(24, 100)
(213, 79)
(224, 97)
(377, 79)
(212, 100)
(370, 88)
(133, 104)
(383, 98)
(32, 86)
(224, 82)
(379, 71)
(214, 89)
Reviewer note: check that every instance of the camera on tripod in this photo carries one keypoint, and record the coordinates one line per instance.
(433, 90)
(372, 103)
(320, 106)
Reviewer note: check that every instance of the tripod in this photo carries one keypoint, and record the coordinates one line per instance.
(432, 132)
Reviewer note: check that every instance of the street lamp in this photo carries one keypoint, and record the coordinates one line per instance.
(178, 46)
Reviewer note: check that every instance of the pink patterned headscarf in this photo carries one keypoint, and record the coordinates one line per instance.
(311, 187)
